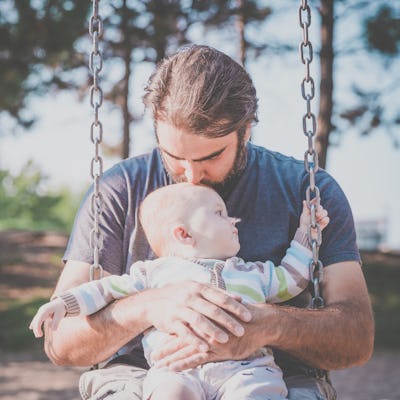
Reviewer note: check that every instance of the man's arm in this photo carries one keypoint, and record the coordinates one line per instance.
(339, 336)
(89, 340)
(192, 310)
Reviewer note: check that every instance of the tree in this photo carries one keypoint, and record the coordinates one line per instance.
(324, 121)
(375, 108)
(139, 32)
(382, 37)
(41, 48)
(36, 208)
(239, 13)
(36, 48)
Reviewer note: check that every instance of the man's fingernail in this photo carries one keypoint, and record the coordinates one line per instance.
(223, 337)
(203, 348)
(239, 331)
(247, 316)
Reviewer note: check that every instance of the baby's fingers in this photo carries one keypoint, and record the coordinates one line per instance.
(323, 219)
(36, 326)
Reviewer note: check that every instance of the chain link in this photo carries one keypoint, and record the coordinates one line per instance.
(96, 137)
(310, 156)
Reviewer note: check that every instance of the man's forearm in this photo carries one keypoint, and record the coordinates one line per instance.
(83, 341)
(339, 336)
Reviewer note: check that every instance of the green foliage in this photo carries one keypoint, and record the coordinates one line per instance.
(384, 288)
(37, 43)
(26, 204)
(382, 31)
(14, 323)
(374, 108)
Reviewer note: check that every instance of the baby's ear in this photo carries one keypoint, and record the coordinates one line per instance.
(182, 235)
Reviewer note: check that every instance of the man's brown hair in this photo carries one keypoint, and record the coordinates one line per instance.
(202, 91)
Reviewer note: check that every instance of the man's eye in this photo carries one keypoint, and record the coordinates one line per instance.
(216, 156)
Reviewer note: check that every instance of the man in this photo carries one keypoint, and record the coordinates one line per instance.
(203, 104)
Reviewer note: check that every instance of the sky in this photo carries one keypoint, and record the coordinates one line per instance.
(367, 168)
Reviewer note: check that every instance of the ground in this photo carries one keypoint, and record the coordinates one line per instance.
(29, 265)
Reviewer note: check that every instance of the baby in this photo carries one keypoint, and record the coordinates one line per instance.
(189, 229)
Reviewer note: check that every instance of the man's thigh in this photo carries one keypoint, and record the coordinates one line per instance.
(116, 382)
(302, 387)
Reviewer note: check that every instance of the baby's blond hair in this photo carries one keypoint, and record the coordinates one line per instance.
(163, 208)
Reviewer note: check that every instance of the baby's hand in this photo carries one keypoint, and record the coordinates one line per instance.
(321, 214)
(54, 311)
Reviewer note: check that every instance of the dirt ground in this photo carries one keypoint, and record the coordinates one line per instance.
(29, 268)
(22, 378)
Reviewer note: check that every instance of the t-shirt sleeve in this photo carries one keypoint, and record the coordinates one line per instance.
(115, 203)
(339, 242)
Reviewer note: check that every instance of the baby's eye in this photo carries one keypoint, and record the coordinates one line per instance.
(219, 212)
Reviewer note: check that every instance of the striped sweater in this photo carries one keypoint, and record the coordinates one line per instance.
(254, 281)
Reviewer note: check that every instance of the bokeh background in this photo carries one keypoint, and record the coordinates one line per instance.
(45, 147)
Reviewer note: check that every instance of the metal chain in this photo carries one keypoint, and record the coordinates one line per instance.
(311, 157)
(96, 137)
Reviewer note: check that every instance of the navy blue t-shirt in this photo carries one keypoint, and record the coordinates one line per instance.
(267, 197)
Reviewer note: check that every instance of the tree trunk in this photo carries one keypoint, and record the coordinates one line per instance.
(126, 116)
(240, 24)
(324, 123)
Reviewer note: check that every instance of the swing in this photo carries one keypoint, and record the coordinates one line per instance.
(310, 155)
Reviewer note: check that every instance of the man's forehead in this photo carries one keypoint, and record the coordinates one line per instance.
(181, 145)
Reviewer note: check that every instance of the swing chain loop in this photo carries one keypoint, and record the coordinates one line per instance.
(311, 164)
(309, 117)
(310, 93)
(96, 137)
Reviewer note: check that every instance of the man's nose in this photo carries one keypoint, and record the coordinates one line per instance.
(193, 173)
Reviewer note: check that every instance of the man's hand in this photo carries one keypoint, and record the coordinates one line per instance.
(197, 312)
(338, 336)
(179, 354)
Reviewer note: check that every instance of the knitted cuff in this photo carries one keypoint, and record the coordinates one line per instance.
(71, 304)
(302, 238)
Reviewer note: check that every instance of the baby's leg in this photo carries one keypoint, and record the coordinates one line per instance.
(162, 384)
(174, 391)
(257, 379)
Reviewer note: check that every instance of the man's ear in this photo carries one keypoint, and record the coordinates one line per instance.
(182, 235)
(247, 133)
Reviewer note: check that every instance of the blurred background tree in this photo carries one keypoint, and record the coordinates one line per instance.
(44, 46)
(25, 203)
(43, 50)
(37, 49)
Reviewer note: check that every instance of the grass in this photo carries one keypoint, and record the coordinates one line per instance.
(14, 321)
(383, 284)
(25, 282)
(384, 287)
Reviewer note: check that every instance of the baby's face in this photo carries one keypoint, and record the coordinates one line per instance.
(215, 233)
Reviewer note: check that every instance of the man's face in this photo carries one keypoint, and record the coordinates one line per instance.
(214, 162)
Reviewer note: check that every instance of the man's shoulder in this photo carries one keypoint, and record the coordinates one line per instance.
(284, 166)
(272, 163)
(263, 155)
(137, 164)
(136, 170)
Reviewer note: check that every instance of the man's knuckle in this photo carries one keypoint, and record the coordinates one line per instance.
(195, 286)
(198, 319)
(225, 301)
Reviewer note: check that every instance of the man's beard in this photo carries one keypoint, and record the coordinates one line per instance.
(224, 187)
